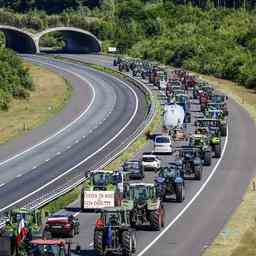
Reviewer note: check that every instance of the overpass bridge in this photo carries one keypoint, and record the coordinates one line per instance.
(76, 40)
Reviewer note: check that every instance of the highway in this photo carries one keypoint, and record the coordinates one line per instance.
(102, 115)
(192, 225)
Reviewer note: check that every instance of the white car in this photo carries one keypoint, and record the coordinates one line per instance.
(163, 144)
(150, 162)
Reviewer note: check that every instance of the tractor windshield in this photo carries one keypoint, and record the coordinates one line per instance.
(18, 216)
(138, 193)
(102, 179)
(114, 219)
(218, 98)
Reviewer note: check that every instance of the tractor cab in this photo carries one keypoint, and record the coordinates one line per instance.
(49, 248)
(219, 98)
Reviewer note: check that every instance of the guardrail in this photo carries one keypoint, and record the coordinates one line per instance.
(60, 191)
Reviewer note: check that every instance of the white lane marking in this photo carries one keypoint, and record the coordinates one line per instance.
(76, 141)
(19, 175)
(64, 128)
(76, 214)
(90, 156)
(91, 244)
(68, 147)
(58, 153)
(1, 185)
(189, 203)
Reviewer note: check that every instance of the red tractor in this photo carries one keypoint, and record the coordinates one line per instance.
(42, 247)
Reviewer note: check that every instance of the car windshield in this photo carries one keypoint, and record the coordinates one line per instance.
(148, 159)
(162, 140)
(131, 165)
(46, 250)
(138, 193)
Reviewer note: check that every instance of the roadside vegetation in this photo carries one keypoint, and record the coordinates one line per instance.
(49, 95)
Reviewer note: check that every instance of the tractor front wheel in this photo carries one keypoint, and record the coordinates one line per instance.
(155, 219)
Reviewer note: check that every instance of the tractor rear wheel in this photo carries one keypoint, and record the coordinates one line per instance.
(179, 193)
(155, 219)
(223, 130)
(207, 158)
(198, 172)
(127, 243)
(217, 150)
(98, 242)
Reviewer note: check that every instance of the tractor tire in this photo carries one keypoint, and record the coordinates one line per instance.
(155, 220)
(134, 242)
(217, 150)
(179, 193)
(98, 242)
(207, 158)
(223, 130)
(162, 217)
(188, 118)
(127, 243)
(198, 172)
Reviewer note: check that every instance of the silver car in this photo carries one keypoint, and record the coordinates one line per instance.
(163, 144)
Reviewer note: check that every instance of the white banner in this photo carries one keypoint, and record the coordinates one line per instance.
(112, 49)
(99, 199)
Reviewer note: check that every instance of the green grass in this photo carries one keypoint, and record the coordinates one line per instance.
(51, 94)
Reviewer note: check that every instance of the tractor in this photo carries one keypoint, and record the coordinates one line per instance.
(113, 233)
(170, 182)
(201, 142)
(213, 123)
(145, 205)
(192, 164)
(103, 183)
(43, 247)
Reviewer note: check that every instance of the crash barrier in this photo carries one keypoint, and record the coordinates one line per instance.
(46, 198)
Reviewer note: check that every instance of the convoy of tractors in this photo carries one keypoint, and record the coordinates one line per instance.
(194, 125)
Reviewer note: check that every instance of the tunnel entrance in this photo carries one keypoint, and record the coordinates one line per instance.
(68, 40)
(18, 40)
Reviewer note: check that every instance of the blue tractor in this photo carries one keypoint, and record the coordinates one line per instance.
(170, 182)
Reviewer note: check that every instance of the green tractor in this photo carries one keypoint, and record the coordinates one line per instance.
(201, 141)
(103, 189)
(22, 225)
(145, 205)
(113, 233)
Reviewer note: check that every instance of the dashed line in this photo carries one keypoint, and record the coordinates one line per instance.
(47, 160)
(58, 153)
(76, 141)
(1, 185)
(34, 167)
(68, 147)
(84, 137)
(19, 175)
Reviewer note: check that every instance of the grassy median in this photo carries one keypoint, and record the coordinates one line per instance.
(49, 97)
(238, 237)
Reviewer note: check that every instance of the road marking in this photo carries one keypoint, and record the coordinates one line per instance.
(1, 185)
(34, 167)
(67, 126)
(47, 160)
(90, 156)
(91, 244)
(189, 203)
(68, 147)
(19, 175)
(58, 153)
(76, 214)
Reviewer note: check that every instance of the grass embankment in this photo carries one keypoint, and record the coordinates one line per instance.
(238, 237)
(137, 145)
(49, 97)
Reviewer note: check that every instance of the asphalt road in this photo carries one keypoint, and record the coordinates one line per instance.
(112, 111)
(192, 225)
